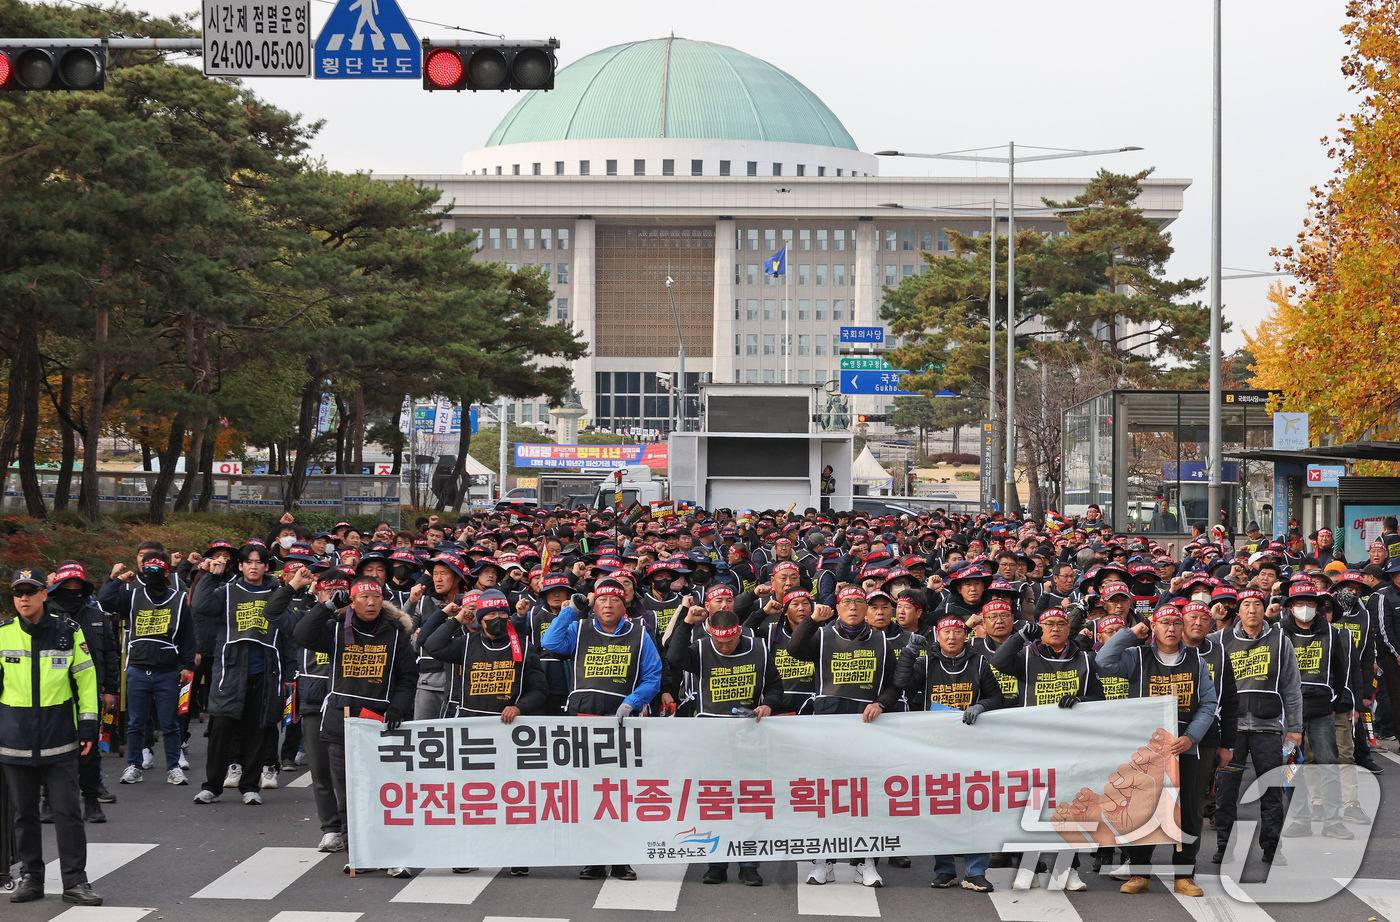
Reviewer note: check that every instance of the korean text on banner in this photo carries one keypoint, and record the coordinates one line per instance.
(579, 790)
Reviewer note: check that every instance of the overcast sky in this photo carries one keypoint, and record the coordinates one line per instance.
(936, 75)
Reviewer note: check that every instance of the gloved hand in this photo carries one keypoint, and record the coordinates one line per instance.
(339, 599)
(580, 603)
(919, 642)
(971, 714)
(1031, 631)
(1069, 701)
(392, 719)
(623, 710)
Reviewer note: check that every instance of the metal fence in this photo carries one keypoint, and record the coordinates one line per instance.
(124, 491)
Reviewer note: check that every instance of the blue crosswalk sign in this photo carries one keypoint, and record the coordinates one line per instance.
(368, 39)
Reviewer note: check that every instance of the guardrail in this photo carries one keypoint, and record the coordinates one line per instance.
(124, 491)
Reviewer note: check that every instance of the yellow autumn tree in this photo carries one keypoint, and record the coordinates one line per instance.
(1335, 352)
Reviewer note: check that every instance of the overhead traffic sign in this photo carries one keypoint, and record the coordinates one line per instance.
(874, 382)
(865, 364)
(862, 334)
(245, 39)
(368, 39)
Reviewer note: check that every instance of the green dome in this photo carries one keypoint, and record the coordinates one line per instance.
(672, 88)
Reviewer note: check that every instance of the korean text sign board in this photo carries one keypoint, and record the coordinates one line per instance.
(581, 790)
(594, 457)
(862, 334)
(246, 39)
(368, 39)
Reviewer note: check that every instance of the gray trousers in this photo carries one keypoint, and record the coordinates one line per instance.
(318, 760)
(335, 754)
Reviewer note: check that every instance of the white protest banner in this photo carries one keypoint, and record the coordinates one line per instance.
(566, 791)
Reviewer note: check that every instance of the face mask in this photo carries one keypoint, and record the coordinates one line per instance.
(1200, 596)
(153, 576)
(1304, 614)
(1345, 597)
(287, 541)
(402, 573)
(494, 627)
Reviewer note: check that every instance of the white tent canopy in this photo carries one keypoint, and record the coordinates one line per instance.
(867, 472)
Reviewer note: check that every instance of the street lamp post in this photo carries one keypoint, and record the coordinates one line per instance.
(1010, 160)
(682, 422)
(1215, 489)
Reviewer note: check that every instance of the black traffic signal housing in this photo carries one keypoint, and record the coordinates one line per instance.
(489, 66)
(28, 65)
(872, 417)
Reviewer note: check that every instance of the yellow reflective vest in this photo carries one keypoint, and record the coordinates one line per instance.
(48, 684)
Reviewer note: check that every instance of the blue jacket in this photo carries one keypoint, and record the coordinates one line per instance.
(562, 638)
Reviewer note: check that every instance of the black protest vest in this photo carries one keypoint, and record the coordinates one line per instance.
(1049, 680)
(362, 670)
(727, 682)
(540, 619)
(1156, 679)
(243, 614)
(958, 687)
(492, 678)
(608, 664)
(852, 669)
(799, 676)
(1255, 665)
(314, 665)
(663, 610)
(1314, 652)
(1010, 685)
(155, 621)
(1358, 623)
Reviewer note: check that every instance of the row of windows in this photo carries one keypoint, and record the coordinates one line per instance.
(750, 274)
(780, 375)
(822, 238)
(668, 168)
(774, 309)
(806, 343)
(523, 238)
(559, 272)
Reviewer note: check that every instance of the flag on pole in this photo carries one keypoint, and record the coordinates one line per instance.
(777, 263)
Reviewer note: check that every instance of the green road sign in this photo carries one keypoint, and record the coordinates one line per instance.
(862, 364)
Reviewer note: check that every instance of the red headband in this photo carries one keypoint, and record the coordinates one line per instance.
(1111, 621)
(155, 562)
(951, 622)
(724, 633)
(795, 595)
(999, 605)
(1051, 613)
(850, 592)
(366, 585)
(609, 590)
(716, 591)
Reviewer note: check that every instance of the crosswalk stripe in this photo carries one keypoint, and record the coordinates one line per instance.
(298, 915)
(1216, 905)
(520, 919)
(1035, 905)
(440, 885)
(1381, 895)
(267, 873)
(841, 897)
(657, 888)
(300, 781)
(102, 859)
(1389, 755)
(103, 914)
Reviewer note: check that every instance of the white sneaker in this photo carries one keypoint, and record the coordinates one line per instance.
(822, 872)
(184, 763)
(147, 759)
(175, 776)
(400, 872)
(331, 842)
(1122, 872)
(252, 798)
(204, 797)
(235, 775)
(1025, 879)
(1069, 880)
(269, 780)
(300, 759)
(867, 876)
(132, 775)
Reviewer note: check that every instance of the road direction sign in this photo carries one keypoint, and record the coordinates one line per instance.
(368, 39)
(246, 39)
(874, 382)
(865, 364)
(862, 334)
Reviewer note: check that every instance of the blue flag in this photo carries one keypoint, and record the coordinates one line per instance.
(777, 263)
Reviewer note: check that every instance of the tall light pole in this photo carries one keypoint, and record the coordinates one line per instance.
(975, 211)
(1010, 160)
(682, 422)
(1215, 489)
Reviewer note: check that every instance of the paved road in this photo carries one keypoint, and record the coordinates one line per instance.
(160, 857)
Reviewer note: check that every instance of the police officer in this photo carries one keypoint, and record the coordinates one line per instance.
(48, 717)
(1169, 667)
(374, 670)
(1265, 671)
(616, 667)
(735, 678)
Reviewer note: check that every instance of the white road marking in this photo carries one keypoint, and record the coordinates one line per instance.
(1034, 905)
(657, 888)
(841, 897)
(263, 876)
(440, 885)
(300, 781)
(103, 914)
(102, 859)
(1381, 895)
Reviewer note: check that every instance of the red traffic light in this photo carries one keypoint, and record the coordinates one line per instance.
(443, 69)
(4, 68)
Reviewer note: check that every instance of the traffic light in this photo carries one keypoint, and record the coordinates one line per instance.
(872, 417)
(77, 66)
(504, 66)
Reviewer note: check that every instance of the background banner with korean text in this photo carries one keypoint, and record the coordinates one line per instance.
(573, 791)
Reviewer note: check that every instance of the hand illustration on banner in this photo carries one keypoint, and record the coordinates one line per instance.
(1138, 805)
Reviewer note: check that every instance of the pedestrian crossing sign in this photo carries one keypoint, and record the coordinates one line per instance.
(368, 39)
